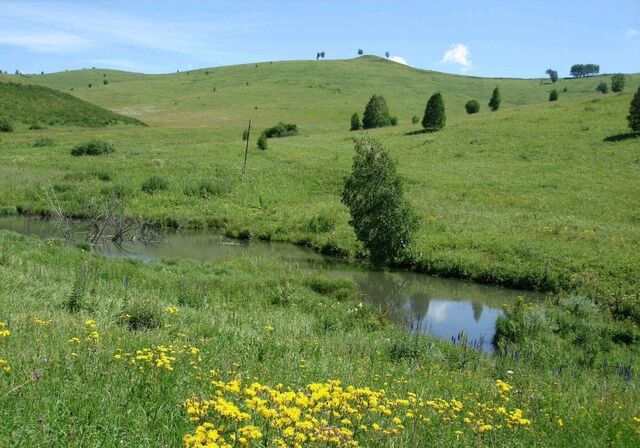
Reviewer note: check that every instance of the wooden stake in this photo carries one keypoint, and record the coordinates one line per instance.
(246, 151)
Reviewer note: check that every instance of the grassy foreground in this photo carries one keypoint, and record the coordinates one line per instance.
(251, 350)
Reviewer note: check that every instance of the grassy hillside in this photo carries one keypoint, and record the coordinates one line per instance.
(29, 104)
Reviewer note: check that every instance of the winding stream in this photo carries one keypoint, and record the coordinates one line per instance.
(422, 303)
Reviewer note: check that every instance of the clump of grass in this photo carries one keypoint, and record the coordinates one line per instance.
(8, 210)
(37, 126)
(141, 315)
(42, 142)
(115, 191)
(321, 224)
(5, 125)
(155, 184)
(75, 300)
(205, 188)
(93, 147)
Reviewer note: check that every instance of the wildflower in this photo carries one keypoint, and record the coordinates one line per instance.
(74, 341)
(560, 422)
(171, 309)
(4, 332)
(41, 322)
(94, 336)
(90, 324)
(268, 328)
(4, 365)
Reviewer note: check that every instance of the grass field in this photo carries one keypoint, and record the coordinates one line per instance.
(536, 195)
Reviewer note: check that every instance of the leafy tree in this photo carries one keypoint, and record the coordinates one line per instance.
(434, 117)
(494, 102)
(553, 75)
(634, 112)
(387, 54)
(582, 70)
(317, 56)
(262, 141)
(376, 113)
(381, 217)
(617, 82)
(360, 52)
(472, 107)
(355, 122)
(553, 95)
(322, 54)
(602, 87)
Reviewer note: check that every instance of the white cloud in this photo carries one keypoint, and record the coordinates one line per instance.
(46, 41)
(458, 54)
(631, 33)
(399, 60)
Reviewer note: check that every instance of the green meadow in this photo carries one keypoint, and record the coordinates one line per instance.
(537, 195)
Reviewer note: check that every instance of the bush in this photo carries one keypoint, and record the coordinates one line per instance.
(602, 87)
(155, 184)
(105, 82)
(565, 89)
(415, 119)
(245, 135)
(472, 107)
(376, 113)
(355, 122)
(262, 142)
(494, 102)
(321, 224)
(43, 142)
(282, 130)
(617, 82)
(5, 125)
(206, 188)
(141, 315)
(553, 95)
(93, 148)
(434, 117)
(382, 218)
(394, 121)
(634, 112)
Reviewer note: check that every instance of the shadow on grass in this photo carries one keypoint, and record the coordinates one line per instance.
(418, 132)
(621, 137)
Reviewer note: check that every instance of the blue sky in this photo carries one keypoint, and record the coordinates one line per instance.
(482, 38)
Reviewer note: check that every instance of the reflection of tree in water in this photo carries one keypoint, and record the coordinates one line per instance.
(477, 310)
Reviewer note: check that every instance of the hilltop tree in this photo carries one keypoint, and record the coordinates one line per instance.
(381, 217)
(553, 95)
(617, 82)
(322, 54)
(355, 122)
(386, 54)
(360, 52)
(472, 107)
(553, 75)
(434, 117)
(376, 113)
(494, 102)
(582, 70)
(317, 56)
(634, 112)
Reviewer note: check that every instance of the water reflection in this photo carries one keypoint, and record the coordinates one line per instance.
(422, 303)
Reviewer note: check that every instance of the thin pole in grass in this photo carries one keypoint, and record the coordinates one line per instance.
(246, 151)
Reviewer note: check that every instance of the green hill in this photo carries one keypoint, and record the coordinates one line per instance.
(31, 104)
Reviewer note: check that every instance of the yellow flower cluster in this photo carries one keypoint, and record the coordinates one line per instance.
(160, 357)
(41, 322)
(171, 309)
(328, 414)
(4, 333)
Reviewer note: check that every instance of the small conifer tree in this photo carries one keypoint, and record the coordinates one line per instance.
(434, 116)
(634, 112)
(494, 102)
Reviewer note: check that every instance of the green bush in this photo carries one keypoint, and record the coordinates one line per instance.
(602, 87)
(472, 107)
(496, 99)
(434, 117)
(142, 315)
(634, 112)
(415, 119)
(155, 184)
(205, 188)
(355, 122)
(281, 130)
(5, 125)
(617, 82)
(245, 135)
(553, 95)
(382, 218)
(321, 224)
(262, 142)
(394, 121)
(93, 148)
(376, 113)
(43, 142)
(105, 82)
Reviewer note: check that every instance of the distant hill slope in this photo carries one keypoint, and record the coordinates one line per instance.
(28, 103)
(318, 95)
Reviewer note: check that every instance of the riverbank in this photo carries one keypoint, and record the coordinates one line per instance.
(76, 320)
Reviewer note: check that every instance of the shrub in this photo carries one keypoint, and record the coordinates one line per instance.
(602, 87)
(494, 102)
(89, 85)
(245, 135)
(553, 75)
(141, 315)
(394, 121)
(43, 142)
(415, 119)
(376, 113)
(5, 125)
(262, 142)
(282, 130)
(553, 95)
(434, 117)
(355, 122)
(472, 107)
(93, 148)
(155, 184)
(382, 218)
(565, 89)
(105, 82)
(321, 224)
(634, 112)
(617, 82)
